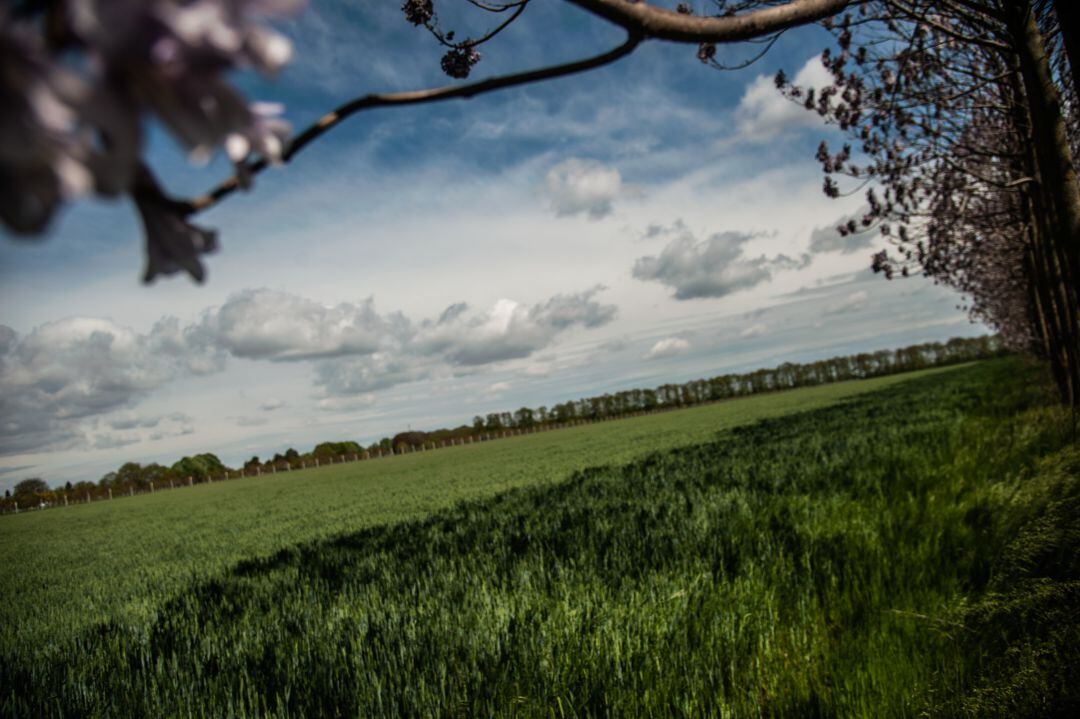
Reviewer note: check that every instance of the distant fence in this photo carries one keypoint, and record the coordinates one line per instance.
(62, 498)
(966, 351)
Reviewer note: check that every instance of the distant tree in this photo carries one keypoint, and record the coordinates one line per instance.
(336, 449)
(201, 465)
(409, 440)
(33, 487)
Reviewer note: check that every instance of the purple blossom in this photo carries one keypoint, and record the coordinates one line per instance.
(458, 62)
(42, 161)
(418, 12)
(173, 58)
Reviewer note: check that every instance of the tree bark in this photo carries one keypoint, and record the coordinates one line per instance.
(654, 22)
(1050, 140)
(1068, 15)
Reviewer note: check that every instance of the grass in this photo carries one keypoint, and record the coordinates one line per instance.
(69, 568)
(911, 551)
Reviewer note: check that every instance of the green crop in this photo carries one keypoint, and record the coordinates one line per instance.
(894, 554)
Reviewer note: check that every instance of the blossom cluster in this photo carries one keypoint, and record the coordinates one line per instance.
(78, 78)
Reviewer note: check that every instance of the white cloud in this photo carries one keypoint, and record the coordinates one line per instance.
(281, 327)
(130, 420)
(76, 368)
(362, 375)
(346, 404)
(577, 186)
(668, 347)
(509, 330)
(112, 441)
(753, 331)
(272, 403)
(850, 303)
(460, 338)
(712, 268)
(763, 112)
(828, 239)
(497, 388)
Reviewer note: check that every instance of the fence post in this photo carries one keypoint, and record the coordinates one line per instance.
(190, 482)
(151, 488)
(88, 498)
(110, 492)
(16, 508)
(131, 491)
(316, 461)
(65, 500)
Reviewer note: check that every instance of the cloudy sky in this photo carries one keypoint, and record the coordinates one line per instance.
(654, 221)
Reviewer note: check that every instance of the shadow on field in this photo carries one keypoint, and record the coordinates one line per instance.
(914, 550)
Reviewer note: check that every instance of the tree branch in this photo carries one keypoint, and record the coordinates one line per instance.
(415, 97)
(641, 21)
(653, 22)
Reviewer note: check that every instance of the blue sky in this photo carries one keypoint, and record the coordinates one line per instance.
(652, 221)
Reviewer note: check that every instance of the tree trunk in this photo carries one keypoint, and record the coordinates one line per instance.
(1068, 15)
(1056, 204)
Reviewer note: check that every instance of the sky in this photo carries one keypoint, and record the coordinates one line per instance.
(652, 221)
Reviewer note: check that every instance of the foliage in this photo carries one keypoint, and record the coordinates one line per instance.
(201, 465)
(959, 118)
(849, 561)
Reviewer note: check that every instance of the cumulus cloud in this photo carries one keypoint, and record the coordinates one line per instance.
(282, 327)
(361, 375)
(461, 339)
(763, 112)
(577, 186)
(827, 239)
(714, 267)
(668, 347)
(509, 330)
(75, 368)
(66, 372)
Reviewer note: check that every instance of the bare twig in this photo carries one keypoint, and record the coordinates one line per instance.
(640, 20)
(415, 97)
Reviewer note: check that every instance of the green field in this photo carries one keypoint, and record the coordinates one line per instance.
(67, 568)
(912, 550)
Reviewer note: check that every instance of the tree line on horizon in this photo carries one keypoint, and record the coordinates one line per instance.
(132, 477)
